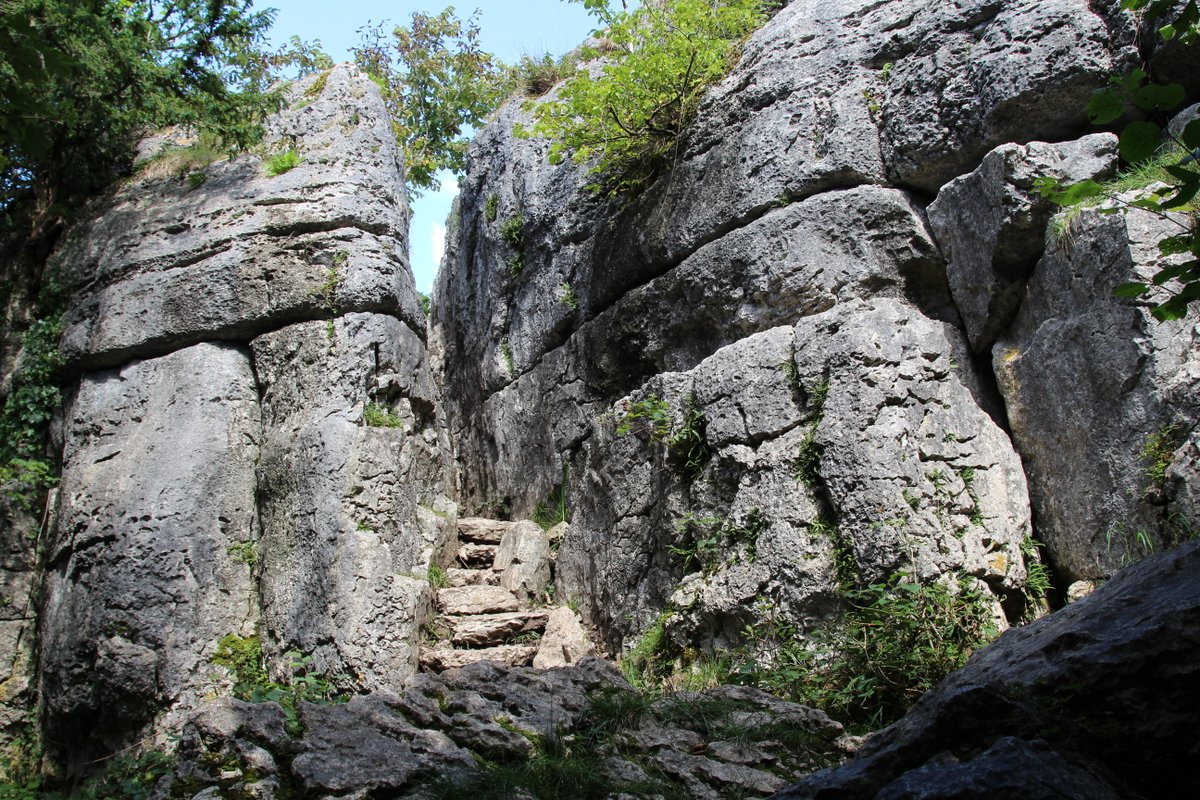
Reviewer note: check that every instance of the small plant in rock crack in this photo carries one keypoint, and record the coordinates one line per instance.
(512, 231)
(377, 416)
(1157, 453)
(650, 417)
(567, 295)
(243, 656)
(491, 207)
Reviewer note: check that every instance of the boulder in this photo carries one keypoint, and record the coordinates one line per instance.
(564, 641)
(523, 560)
(1102, 399)
(990, 225)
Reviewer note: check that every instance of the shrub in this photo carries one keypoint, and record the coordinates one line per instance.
(898, 639)
(629, 115)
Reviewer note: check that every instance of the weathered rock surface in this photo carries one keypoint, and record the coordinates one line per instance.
(1091, 383)
(476, 600)
(711, 744)
(1095, 701)
(226, 480)
(345, 505)
(166, 265)
(989, 224)
(564, 641)
(149, 565)
(523, 560)
(850, 442)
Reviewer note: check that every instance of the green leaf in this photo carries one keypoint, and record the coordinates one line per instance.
(1184, 271)
(1078, 192)
(1131, 290)
(1139, 140)
(1154, 96)
(1105, 106)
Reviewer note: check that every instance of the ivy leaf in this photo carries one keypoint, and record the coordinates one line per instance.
(1130, 290)
(1185, 272)
(1077, 193)
(1105, 106)
(1139, 140)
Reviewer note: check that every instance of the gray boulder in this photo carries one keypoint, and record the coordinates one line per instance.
(990, 225)
(523, 560)
(1098, 393)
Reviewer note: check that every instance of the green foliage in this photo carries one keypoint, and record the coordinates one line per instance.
(243, 656)
(80, 81)
(243, 553)
(436, 82)
(689, 443)
(377, 416)
(898, 639)
(32, 401)
(658, 62)
(1037, 577)
(282, 162)
(437, 577)
(426, 303)
(491, 207)
(1158, 451)
(704, 542)
(512, 231)
(1174, 287)
(196, 178)
(506, 356)
(650, 417)
(807, 466)
(318, 86)
(648, 660)
(567, 295)
(554, 509)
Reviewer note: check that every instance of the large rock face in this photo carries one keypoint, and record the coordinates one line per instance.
(256, 445)
(781, 292)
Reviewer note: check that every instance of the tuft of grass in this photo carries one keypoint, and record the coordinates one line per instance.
(491, 207)
(377, 416)
(567, 295)
(282, 162)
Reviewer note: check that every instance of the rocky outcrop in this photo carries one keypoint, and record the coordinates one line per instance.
(1095, 701)
(578, 727)
(255, 445)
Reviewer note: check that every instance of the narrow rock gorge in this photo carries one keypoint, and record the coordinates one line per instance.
(841, 340)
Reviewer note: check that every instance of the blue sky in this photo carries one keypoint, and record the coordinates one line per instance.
(508, 28)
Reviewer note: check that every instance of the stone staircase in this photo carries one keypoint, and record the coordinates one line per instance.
(495, 606)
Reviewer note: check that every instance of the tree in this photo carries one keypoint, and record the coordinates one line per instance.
(437, 83)
(81, 79)
(654, 64)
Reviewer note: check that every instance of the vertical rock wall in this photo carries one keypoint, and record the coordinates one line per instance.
(219, 473)
(780, 298)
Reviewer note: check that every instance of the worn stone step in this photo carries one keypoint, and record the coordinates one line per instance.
(442, 658)
(483, 531)
(457, 577)
(477, 555)
(489, 630)
(464, 600)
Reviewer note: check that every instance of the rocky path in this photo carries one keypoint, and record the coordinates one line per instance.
(496, 605)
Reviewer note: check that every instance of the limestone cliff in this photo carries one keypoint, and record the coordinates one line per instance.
(840, 338)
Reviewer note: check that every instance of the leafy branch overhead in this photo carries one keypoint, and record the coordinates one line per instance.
(437, 84)
(650, 68)
(1172, 195)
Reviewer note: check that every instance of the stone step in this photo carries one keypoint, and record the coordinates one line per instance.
(466, 600)
(489, 630)
(441, 658)
(477, 555)
(483, 531)
(472, 577)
